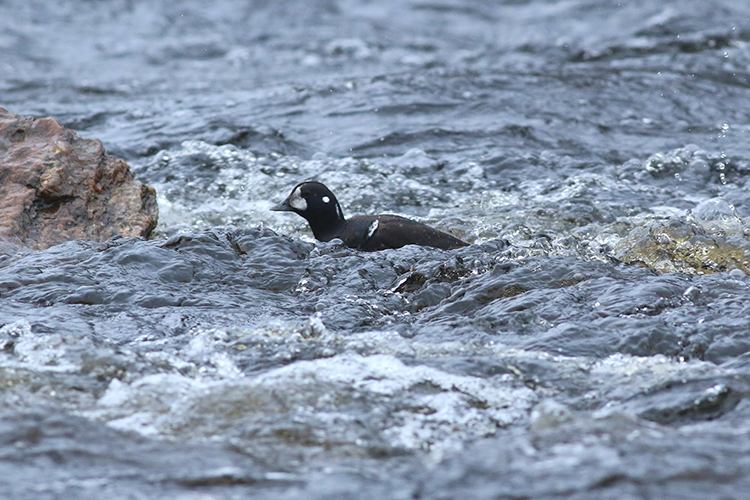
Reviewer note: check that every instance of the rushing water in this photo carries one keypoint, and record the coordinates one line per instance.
(592, 342)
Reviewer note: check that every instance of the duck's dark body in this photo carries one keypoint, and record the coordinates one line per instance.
(393, 231)
(317, 204)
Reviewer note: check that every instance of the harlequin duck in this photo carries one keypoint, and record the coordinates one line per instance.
(317, 204)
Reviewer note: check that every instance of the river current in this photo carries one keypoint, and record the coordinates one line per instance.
(592, 342)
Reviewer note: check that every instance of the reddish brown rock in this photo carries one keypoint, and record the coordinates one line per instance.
(56, 186)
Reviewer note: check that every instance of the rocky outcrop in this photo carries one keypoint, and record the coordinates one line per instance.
(56, 186)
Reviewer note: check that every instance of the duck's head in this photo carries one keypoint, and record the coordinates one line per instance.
(317, 204)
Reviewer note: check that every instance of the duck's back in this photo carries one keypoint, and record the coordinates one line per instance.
(380, 232)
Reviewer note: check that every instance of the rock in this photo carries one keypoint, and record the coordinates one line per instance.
(56, 186)
(681, 245)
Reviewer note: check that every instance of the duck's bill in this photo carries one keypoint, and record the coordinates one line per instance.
(282, 207)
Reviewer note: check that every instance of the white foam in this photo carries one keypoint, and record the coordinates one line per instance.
(427, 408)
(39, 352)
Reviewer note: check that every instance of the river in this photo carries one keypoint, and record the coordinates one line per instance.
(592, 342)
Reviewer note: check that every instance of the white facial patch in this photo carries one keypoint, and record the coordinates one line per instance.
(297, 202)
(371, 230)
(326, 199)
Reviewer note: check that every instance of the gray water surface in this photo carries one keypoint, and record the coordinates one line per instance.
(592, 342)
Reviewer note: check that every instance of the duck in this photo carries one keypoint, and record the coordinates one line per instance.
(319, 207)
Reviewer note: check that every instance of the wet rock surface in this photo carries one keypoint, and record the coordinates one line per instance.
(56, 186)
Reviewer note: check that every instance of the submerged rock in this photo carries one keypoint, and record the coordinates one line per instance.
(56, 186)
(709, 238)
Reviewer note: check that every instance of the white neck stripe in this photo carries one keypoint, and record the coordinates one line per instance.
(371, 230)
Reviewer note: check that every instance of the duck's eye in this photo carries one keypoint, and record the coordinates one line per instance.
(326, 199)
